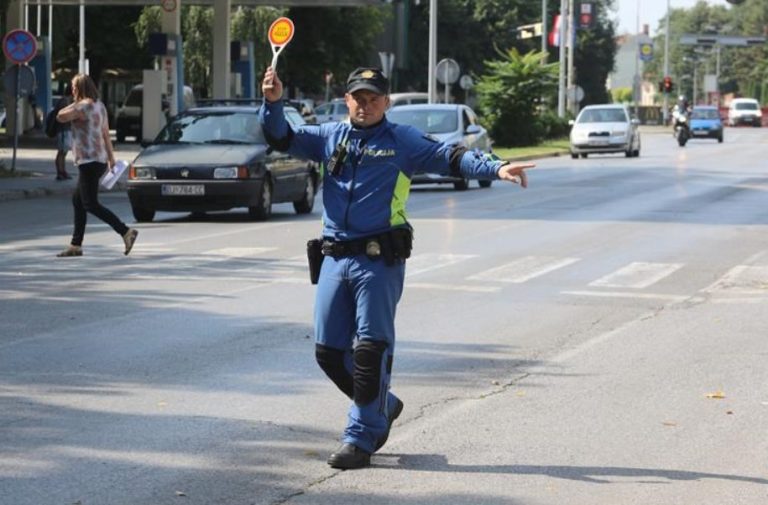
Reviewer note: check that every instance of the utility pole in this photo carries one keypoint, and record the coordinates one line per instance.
(571, 43)
(665, 110)
(544, 29)
(561, 78)
(432, 86)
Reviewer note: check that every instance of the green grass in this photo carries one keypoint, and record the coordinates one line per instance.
(546, 148)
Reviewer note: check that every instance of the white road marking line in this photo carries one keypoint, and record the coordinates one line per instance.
(627, 294)
(741, 280)
(237, 252)
(637, 275)
(452, 287)
(427, 262)
(523, 269)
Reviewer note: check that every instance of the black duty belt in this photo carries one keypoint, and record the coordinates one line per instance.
(337, 249)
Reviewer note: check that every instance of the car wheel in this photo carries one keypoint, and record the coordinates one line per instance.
(143, 215)
(461, 185)
(584, 155)
(263, 210)
(307, 201)
(484, 183)
(574, 156)
(120, 136)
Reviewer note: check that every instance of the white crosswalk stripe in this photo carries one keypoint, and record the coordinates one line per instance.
(637, 275)
(427, 262)
(523, 269)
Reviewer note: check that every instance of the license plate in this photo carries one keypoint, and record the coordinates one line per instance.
(598, 142)
(183, 189)
(700, 132)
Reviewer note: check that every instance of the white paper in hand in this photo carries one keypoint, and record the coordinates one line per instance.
(110, 177)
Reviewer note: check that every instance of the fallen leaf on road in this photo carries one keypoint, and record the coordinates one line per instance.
(717, 395)
(729, 412)
(181, 493)
(669, 423)
(520, 393)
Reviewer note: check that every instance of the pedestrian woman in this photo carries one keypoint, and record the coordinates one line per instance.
(63, 137)
(94, 154)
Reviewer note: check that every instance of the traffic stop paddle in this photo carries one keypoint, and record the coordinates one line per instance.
(280, 33)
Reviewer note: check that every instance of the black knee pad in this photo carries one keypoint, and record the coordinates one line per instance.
(367, 377)
(332, 362)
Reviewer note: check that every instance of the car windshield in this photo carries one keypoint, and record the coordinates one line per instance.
(214, 127)
(746, 106)
(705, 114)
(426, 120)
(602, 116)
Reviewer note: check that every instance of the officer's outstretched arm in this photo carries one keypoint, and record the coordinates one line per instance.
(515, 173)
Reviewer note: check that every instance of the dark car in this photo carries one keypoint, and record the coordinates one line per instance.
(216, 158)
(705, 122)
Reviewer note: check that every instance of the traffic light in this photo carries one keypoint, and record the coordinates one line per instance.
(668, 85)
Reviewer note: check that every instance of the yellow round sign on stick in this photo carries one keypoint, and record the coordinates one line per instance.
(280, 33)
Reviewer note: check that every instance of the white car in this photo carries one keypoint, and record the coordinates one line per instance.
(601, 129)
(745, 111)
(451, 123)
(335, 110)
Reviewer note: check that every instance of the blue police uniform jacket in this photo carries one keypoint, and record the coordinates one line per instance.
(369, 194)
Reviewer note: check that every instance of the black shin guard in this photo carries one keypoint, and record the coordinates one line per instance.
(367, 376)
(332, 362)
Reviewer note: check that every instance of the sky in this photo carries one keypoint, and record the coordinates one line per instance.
(651, 12)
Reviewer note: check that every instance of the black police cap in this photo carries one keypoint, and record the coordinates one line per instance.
(369, 78)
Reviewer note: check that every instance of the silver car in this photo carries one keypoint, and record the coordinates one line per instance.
(452, 123)
(601, 129)
(335, 110)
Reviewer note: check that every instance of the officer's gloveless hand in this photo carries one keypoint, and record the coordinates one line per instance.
(272, 86)
(515, 173)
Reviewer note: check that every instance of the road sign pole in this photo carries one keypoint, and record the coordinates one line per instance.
(16, 97)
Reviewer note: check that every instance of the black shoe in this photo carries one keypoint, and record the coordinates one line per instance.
(391, 419)
(349, 457)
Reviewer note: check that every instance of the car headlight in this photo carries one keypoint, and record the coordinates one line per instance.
(141, 173)
(579, 136)
(225, 173)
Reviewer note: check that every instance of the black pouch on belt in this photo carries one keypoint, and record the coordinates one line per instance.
(315, 257)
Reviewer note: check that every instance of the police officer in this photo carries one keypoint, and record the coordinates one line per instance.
(367, 168)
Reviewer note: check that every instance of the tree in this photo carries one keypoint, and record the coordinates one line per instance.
(595, 55)
(508, 94)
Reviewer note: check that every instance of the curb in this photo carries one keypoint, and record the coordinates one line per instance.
(23, 194)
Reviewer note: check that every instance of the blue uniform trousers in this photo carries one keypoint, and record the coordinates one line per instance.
(356, 301)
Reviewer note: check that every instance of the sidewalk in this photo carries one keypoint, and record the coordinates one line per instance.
(35, 158)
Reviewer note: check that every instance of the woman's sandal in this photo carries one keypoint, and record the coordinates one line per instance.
(70, 251)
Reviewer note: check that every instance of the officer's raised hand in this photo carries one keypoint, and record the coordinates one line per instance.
(515, 173)
(272, 86)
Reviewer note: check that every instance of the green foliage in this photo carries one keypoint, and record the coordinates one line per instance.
(622, 95)
(509, 96)
(595, 56)
(743, 70)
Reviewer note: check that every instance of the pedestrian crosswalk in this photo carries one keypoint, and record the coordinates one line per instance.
(568, 275)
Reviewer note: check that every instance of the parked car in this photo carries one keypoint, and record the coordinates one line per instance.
(745, 111)
(128, 116)
(398, 99)
(607, 128)
(216, 158)
(452, 123)
(335, 110)
(705, 122)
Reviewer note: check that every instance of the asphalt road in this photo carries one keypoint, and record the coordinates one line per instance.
(596, 339)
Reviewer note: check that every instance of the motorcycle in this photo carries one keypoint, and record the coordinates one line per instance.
(682, 132)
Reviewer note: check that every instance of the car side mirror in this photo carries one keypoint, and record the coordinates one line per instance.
(270, 149)
(571, 122)
(472, 129)
(635, 121)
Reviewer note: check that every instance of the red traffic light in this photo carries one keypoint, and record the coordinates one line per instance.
(668, 84)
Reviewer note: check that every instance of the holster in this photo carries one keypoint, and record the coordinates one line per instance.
(315, 259)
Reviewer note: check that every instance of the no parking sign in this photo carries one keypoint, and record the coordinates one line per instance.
(19, 46)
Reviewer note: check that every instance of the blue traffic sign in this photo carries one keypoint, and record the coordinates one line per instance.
(19, 46)
(646, 51)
